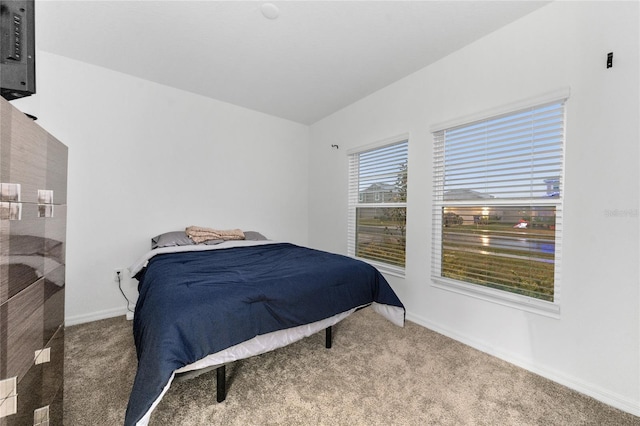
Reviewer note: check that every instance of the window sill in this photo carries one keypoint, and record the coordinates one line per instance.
(524, 303)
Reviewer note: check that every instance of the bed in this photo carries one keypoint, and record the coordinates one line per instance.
(205, 305)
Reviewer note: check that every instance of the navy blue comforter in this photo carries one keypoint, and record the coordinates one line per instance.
(193, 304)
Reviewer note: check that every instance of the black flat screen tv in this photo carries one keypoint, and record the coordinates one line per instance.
(17, 49)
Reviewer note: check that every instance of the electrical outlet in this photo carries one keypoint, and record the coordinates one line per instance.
(118, 274)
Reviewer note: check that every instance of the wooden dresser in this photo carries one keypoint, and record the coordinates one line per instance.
(33, 211)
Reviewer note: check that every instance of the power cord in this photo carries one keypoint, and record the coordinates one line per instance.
(121, 291)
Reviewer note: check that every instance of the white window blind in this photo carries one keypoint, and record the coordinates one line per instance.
(498, 202)
(378, 205)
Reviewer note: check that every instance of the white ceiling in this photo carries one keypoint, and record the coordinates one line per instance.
(314, 59)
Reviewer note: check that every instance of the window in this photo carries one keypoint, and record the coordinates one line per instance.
(378, 204)
(498, 206)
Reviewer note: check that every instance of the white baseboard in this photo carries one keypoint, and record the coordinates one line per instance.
(94, 316)
(589, 389)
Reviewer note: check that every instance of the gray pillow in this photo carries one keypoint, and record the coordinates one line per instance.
(171, 239)
(180, 238)
(253, 236)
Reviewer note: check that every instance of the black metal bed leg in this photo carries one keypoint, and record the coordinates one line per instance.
(221, 383)
(327, 337)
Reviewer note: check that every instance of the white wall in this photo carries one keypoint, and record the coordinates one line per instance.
(146, 159)
(594, 346)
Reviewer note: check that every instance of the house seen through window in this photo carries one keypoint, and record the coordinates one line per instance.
(378, 204)
(498, 202)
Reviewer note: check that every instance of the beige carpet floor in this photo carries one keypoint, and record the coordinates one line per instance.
(375, 374)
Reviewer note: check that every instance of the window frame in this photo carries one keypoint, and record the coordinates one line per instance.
(502, 297)
(355, 200)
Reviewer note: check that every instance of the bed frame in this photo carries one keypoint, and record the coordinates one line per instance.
(221, 371)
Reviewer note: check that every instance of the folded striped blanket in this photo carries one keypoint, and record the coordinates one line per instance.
(201, 234)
